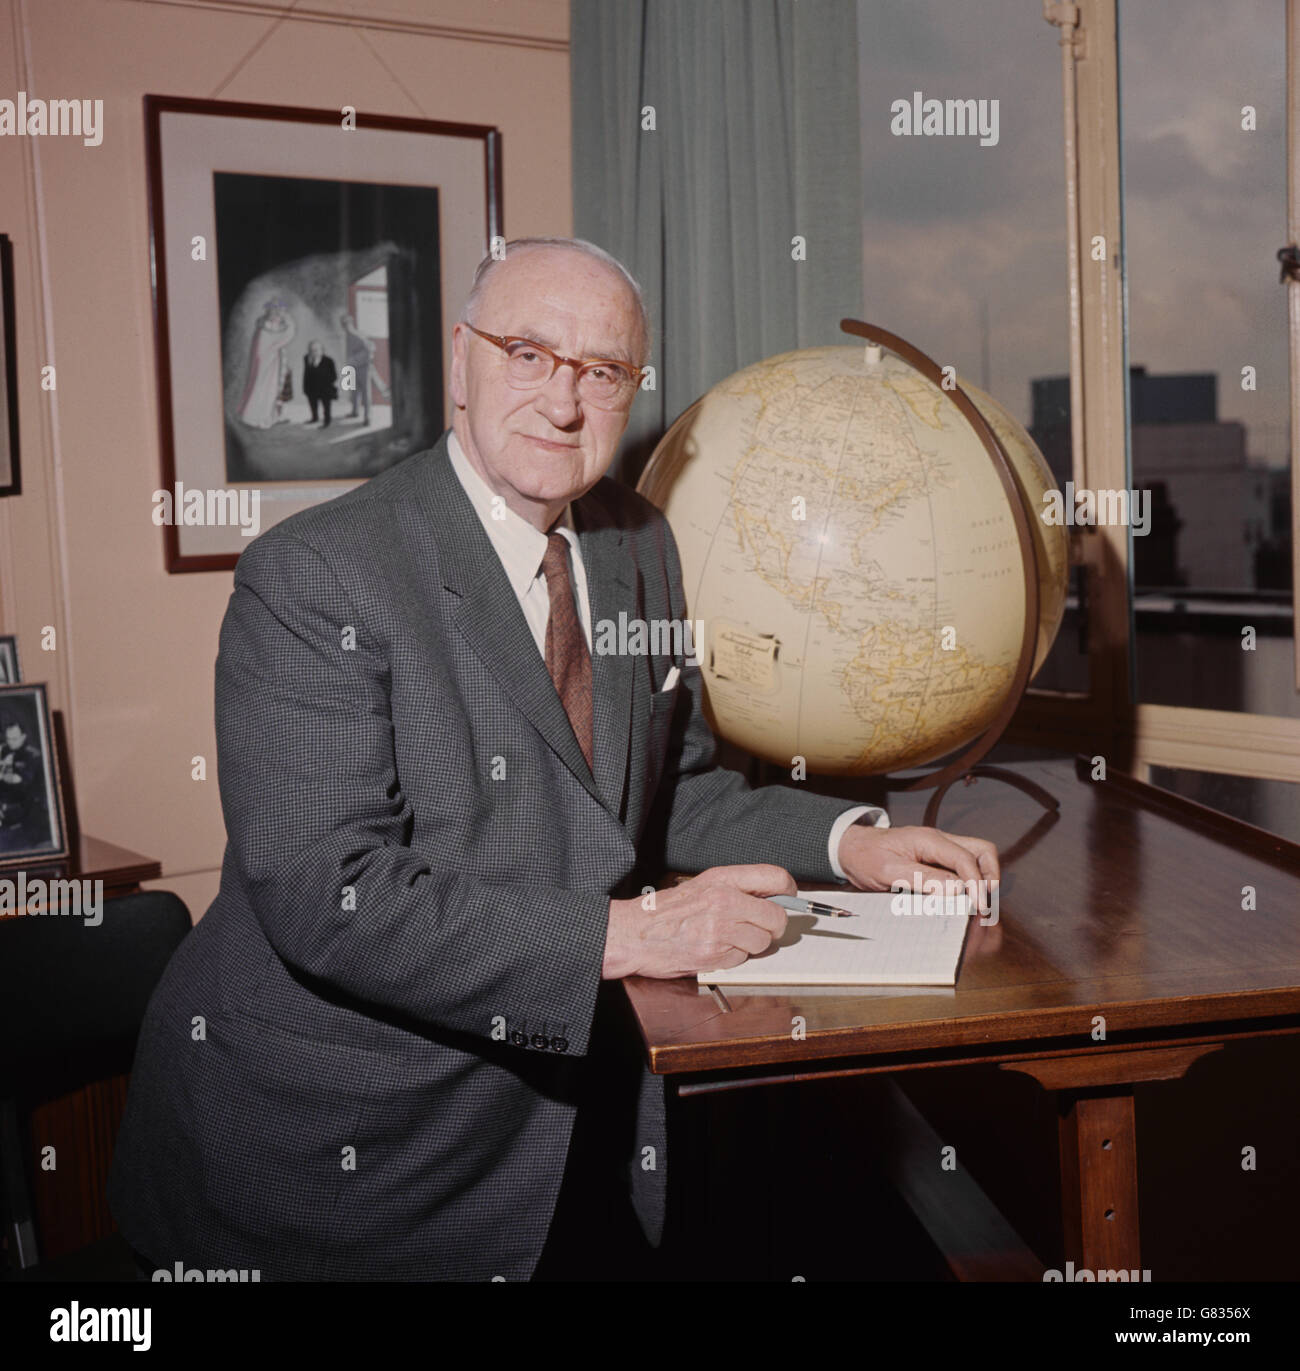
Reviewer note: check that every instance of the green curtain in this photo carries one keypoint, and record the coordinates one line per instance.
(755, 140)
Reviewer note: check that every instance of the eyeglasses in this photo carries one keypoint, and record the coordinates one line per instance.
(602, 382)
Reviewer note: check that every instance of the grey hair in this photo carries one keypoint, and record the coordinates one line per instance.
(485, 268)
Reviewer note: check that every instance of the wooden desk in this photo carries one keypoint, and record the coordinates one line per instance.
(1126, 906)
(92, 859)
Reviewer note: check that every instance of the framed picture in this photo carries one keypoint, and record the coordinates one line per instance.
(32, 825)
(10, 479)
(307, 270)
(9, 673)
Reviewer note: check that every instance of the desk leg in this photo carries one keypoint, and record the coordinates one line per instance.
(1098, 1144)
(1099, 1181)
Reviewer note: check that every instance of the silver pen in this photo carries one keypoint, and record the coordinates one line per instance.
(801, 906)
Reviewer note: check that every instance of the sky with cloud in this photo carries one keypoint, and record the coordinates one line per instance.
(954, 232)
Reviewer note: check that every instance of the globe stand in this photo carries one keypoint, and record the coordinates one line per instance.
(966, 765)
(993, 773)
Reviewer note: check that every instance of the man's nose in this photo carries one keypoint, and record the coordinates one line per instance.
(559, 397)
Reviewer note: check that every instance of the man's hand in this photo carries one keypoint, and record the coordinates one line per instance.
(716, 919)
(880, 858)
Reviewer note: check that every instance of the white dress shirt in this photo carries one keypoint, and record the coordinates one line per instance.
(521, 548)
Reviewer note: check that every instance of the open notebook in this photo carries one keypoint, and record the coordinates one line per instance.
(921, 945)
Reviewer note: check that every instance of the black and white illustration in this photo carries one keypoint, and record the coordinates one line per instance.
(330, 325)
(301, 260)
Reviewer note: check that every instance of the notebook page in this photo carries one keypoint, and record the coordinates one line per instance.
(891, 939)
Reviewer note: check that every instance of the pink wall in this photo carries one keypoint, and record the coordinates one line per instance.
(132, 666)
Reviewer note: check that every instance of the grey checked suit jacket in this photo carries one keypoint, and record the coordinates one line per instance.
(365, 1061)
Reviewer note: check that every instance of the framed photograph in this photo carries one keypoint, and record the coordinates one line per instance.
(10, 479)
(307, 269)
(33, 829)
(9, 673)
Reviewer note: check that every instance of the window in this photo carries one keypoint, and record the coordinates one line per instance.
(1203, 98)
(1178, 651)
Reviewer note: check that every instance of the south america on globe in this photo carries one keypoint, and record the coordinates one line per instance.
(851, 551)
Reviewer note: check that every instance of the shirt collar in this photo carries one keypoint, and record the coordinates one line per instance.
(518, 544)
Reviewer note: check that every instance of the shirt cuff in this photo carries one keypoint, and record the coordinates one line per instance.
(841, 826)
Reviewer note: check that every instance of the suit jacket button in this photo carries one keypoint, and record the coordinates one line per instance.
(539, 1040)
(519, 1039)
(560, 1044)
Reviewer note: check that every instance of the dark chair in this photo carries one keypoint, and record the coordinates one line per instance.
(72, 998)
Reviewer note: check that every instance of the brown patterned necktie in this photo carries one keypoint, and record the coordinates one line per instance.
(568, 658)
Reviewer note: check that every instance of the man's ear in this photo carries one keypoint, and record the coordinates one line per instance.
(459, 347)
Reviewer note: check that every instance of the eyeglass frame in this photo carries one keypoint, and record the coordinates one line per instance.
(578, 364)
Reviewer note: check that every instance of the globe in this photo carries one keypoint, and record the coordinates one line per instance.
(851, 555)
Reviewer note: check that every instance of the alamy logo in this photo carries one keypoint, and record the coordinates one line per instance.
(75, 1324)
(920, 896)
(221, 508)
(945, 118)
(82, 119)
(1073, 1274)
(181, 1272)
(1079, 505)
(653, 637)
(83, 899)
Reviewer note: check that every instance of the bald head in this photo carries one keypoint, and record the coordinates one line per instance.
(490, 267)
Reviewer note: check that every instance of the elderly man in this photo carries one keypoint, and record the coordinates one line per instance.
(375, 1055)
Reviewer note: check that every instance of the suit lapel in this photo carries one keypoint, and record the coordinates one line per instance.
(489, 616)
(611, 589)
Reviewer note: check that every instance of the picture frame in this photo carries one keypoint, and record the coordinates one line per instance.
(33, 821)
(10, 468)
(10, 673)
(307, 266)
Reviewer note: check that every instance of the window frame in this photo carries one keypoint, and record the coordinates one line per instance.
(1109, 717)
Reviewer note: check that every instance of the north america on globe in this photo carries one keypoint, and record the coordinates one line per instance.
(852, 553)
